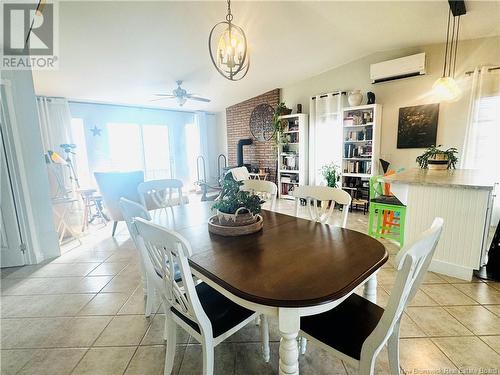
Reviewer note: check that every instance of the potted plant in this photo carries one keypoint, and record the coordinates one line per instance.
(435, 158)
(280, 110)
(236, 207)
(331, 174)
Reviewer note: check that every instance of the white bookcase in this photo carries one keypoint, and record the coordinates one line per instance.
(293, 155)
(360, 148)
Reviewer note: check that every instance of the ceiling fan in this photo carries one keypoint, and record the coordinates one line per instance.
(181, 95)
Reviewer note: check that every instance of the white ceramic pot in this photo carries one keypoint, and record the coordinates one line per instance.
(355, 98)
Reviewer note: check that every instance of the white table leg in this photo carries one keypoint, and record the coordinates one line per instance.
(289, 325)
(370, 289)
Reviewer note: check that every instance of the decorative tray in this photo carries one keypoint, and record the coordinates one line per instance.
(232, 231)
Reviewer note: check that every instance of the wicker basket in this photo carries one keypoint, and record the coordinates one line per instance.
(214, 226)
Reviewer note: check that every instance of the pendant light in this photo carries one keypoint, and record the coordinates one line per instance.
(227, 44)
(446, 88)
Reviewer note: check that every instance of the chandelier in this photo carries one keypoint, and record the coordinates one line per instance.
(446, 88)
(228, 48)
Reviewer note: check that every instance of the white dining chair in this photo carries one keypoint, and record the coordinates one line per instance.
(357, 329)
(325, 197)
(267, 190)
(162, 194)
(131, 210)
(239, 173)
(204, 313)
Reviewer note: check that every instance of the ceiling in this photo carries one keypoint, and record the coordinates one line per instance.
(124, 52)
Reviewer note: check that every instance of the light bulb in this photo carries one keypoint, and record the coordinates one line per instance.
(446, 89)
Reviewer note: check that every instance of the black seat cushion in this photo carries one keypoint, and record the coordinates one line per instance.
(387, 199)
(346, 327)
(222, 312)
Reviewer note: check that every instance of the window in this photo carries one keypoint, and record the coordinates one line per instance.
(125, 146)
(156, 152)
(80, 157)
(193, 150)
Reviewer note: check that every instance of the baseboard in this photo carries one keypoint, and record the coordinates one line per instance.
(449, 269)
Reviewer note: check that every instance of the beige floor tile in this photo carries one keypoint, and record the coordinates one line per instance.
(422, 299)
(44, 305)
(476, 318)
(53, 361)
(493, 342)
(381, 365)
(409, 328)
(454, 280)
(108, 269)
(29, 332)
(104, 304)
(480, 292)
(192, 363)
(11, 361)
(422, 356)
(61, 270)
(318, 361)
(469, 353)
(446, 294)
(57, 285)
(151, 360)
(83, 256)
(433, 278)
(436, 321)
(136, 304)
(105, 361)
(495, 309)
(386, 278)
(124, 330)
(121, 284)
(123, 255)
(79, 332)
(154, 335)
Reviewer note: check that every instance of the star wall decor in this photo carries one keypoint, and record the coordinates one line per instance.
(96, 131)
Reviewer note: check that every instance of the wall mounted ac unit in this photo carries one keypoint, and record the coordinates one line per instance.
(403, 67)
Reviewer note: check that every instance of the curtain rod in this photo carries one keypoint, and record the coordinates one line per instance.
(489, 70)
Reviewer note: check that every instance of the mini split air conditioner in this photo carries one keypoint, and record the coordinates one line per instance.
(403, 67)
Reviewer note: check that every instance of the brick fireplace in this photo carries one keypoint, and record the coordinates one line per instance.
(258, 154)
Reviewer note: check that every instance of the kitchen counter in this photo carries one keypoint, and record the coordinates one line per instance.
(463, 198)
(463, 178)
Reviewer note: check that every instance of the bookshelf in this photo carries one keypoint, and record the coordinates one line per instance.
(292, 155)
(361, 127)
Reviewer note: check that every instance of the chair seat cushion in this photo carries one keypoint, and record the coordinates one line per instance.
(222, 312)
(387, 199)
(346, 327)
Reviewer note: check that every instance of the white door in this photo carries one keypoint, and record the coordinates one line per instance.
(12, 249)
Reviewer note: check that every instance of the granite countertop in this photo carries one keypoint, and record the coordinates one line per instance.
(459, 178)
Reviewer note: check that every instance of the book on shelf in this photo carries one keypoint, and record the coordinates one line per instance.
(358, 166)
(354, 151)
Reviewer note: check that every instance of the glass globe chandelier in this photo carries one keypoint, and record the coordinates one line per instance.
(227, 44)
(446, 88)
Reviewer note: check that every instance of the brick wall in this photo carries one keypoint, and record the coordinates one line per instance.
(259, 154)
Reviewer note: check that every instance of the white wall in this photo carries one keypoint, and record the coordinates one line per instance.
(46, 241)
(402, 93)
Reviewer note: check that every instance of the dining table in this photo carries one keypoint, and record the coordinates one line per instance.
(291, 268)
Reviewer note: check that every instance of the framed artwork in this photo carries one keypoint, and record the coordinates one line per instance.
(417, 126)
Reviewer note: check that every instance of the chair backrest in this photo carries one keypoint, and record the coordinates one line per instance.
(168, 250)
(131, 210)
(240, 173)
(161, 193)
(115, 185)
(321, 195)
(267, 190)
(412, 263)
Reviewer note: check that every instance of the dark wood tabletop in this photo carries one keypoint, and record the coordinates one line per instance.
(292, 262)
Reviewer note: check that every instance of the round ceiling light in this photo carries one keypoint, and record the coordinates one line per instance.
(227, 44)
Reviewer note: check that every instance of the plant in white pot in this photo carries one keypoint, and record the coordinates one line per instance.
(236, 207)
(435, 158)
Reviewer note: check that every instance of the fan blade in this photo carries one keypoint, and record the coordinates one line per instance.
(198, 99)
(155, 100)
(165, 95)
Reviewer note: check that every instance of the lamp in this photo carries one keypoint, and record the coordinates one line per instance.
(227, 44)
(446, 88)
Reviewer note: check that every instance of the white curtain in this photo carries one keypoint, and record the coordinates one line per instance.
(482, 138)
(325, 134)
(55, 122)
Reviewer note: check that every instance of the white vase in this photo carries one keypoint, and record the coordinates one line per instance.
(355, 98)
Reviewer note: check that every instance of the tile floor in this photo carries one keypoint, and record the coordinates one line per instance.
(82, 313)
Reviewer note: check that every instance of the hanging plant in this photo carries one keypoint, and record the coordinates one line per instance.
(435, 158)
